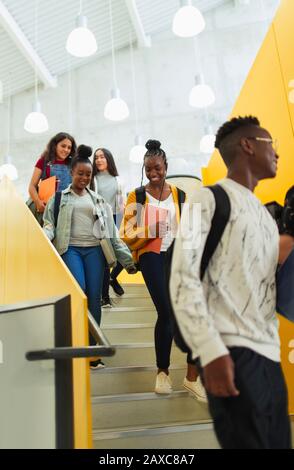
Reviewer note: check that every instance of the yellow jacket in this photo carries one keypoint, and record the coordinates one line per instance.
(136, 237)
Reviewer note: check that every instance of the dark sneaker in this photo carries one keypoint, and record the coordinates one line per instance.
(116, 287)
(97, 364)
(106, 302)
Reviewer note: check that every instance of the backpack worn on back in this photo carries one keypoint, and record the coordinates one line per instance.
(57, 206)
(218, 224)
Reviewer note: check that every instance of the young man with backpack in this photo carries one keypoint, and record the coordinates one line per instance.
(228, 318)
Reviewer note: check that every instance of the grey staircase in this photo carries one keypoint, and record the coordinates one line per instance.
(127, 414)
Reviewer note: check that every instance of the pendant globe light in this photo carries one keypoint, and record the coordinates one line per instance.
(81, 41)
(138, 151)
(207, 141)
(188, 20)
(116, 109)
(201, 95)
(8, 169)
(36, 122)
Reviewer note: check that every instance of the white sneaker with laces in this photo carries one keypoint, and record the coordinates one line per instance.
(163, 385)
(196, 389)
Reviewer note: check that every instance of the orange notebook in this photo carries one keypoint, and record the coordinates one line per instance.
(153, 214)
(47, 188)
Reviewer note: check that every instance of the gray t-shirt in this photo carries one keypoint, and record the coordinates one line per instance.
(106, 186)
(82, 222)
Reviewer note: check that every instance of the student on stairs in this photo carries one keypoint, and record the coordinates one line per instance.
(84, 222)
(106, 182)
(149, 241)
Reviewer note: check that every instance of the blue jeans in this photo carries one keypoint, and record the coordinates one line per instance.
(87, 265)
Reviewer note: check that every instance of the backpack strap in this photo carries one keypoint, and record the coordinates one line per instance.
(57, 206)
(140, 200)
(218, 224)
(44, 171)
(181, 198)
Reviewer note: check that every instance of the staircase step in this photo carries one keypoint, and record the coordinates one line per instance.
(181, 435)
(128, 315)
(122, 380)
(135, 289)
(142, 409)
(129, 333)
(140, 354)
(133, 300)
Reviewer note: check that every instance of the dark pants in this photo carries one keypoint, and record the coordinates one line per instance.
(114, 273)
(152, 266)
(258, 417)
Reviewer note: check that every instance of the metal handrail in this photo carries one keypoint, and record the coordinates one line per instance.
(104, 348)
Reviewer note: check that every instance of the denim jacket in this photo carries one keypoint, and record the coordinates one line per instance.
(60, 235)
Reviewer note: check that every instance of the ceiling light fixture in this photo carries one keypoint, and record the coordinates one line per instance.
(36, 122)
(8, 169)
(201, 95)
(138, 151)
(116, 109)
(208, 141)
(188, 20)
(81, 41)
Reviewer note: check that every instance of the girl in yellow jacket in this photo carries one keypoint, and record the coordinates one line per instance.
(149, 241)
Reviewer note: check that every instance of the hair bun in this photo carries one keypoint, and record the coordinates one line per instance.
(153, 145)
(84, 151)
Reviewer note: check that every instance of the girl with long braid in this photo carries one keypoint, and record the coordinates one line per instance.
(139, 235)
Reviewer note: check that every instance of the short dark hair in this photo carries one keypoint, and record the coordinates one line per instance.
(233, 125)
(229, 131)
(50, 153)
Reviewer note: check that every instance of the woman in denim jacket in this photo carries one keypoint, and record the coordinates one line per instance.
(84, 218)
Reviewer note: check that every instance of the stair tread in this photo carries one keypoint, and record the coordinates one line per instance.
(122, 394)
(129, 309)
(116, 326)
(118, 369)
(138, 396)
(175, 426)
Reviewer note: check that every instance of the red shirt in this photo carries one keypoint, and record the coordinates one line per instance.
(40, 164)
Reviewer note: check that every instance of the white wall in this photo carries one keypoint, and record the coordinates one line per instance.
(165, 74)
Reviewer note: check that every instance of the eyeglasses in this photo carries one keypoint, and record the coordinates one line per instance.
(274, 142)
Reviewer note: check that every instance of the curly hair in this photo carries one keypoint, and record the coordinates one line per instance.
(50, 153)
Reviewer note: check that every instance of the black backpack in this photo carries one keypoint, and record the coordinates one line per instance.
(57, 201)
(218, 224)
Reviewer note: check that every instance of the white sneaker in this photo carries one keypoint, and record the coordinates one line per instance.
(196, 389)
(163, 384)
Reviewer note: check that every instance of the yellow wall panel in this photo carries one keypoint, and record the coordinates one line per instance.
(265, 94)
(284, 33)
(31, 269)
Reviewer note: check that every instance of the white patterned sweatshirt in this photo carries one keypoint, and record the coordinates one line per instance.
(235, 303)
